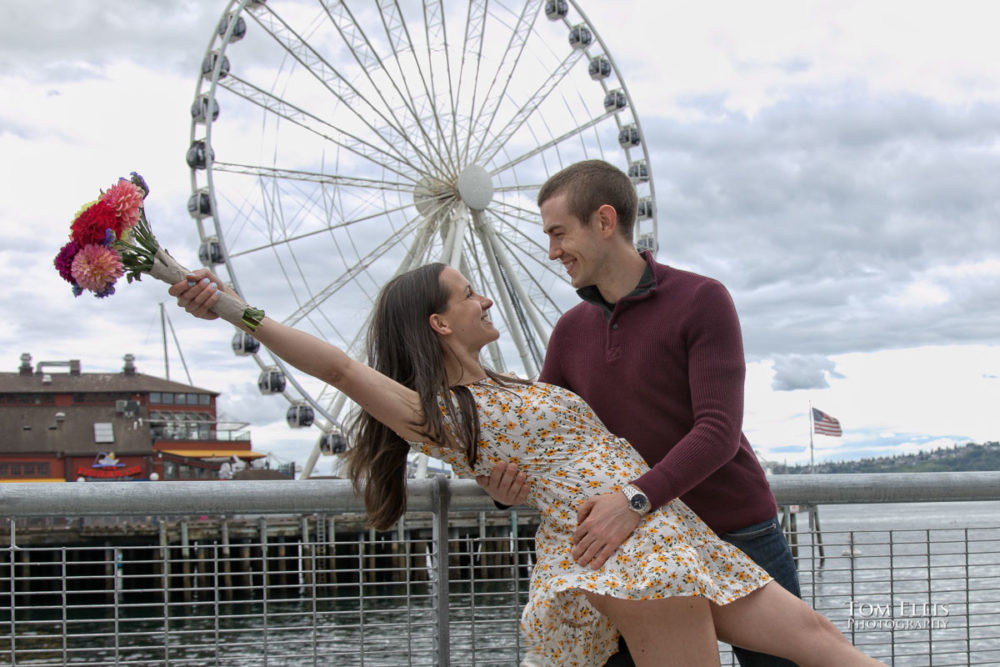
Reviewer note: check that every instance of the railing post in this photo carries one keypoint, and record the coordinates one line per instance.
(440, 499)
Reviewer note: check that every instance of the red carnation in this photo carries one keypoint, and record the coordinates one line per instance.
(91, 225)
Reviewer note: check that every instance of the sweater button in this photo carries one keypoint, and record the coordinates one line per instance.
(615, 327)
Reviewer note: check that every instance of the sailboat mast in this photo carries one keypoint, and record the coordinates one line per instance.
(163, 329)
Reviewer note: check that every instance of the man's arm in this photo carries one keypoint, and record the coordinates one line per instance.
(716, 380)
(716, 374)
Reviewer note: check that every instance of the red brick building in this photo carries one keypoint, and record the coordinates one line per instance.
(60, 424)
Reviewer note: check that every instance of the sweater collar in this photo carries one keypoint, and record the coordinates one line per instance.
(647, 283)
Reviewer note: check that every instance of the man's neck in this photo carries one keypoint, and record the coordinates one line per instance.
(623, 272)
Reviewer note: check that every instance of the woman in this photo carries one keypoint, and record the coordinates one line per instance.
(671, 589)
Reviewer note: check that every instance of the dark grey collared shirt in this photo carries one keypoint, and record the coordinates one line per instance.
(591, 294)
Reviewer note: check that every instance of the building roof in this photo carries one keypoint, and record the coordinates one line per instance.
(69, 383)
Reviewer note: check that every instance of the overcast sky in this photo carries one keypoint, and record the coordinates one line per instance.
(835, 164)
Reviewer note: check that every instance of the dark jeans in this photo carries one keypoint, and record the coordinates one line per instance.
(765, 544)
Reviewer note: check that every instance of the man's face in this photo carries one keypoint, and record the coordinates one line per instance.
(579, 247)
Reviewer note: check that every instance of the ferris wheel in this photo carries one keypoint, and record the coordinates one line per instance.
(335, 145)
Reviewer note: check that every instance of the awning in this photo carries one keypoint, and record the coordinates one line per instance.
(213, 453)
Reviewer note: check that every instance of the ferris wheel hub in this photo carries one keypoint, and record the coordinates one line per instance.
(475, 187)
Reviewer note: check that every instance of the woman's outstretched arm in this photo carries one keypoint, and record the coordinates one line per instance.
(393, 404)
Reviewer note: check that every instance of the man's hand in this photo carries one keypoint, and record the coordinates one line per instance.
(604, 522)
(505, 484)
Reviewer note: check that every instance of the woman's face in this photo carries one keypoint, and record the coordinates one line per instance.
(467, 313)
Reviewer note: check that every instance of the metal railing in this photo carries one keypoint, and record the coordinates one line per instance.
(281, 573)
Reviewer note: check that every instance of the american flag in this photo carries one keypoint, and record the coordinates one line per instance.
(824, 424)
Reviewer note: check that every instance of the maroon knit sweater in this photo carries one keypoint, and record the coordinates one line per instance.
(666, 372)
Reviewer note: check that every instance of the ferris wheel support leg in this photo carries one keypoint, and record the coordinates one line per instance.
(531, 364)
(451, 253)
(529, 307)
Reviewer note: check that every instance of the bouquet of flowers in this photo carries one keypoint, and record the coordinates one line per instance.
(111, 237)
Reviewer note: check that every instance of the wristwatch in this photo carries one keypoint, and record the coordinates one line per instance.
(637, 500)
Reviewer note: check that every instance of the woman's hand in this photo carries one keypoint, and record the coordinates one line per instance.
(199, 293)
(505, 484)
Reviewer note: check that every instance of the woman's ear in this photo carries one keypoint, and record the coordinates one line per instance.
(438, 324)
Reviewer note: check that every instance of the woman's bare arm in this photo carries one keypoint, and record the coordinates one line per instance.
(393, 404)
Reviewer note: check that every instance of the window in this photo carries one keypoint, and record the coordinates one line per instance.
(25, 469)
(154, 398)
(104, 432)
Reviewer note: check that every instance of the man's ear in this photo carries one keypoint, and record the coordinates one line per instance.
(607, 220)
(438, 324)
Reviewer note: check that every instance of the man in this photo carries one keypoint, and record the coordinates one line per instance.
(658, 353)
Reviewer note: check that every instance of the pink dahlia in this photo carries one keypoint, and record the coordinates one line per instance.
(96, 268)
(125, 199)
(64, 260)
(91, 224)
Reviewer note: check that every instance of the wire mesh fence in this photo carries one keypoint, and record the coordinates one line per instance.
(910, 584)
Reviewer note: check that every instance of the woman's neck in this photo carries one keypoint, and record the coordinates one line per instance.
(461, 372)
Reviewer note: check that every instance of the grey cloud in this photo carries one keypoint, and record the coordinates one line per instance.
(168, 34)
(826, 205)
(802, 371)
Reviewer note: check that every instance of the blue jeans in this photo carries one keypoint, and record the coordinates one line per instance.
(765, 544)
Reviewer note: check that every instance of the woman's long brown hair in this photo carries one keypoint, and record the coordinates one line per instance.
(402, 345)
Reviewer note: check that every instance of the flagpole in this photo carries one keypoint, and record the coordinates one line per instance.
(812, 463)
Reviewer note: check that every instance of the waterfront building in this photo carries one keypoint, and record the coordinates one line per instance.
(59, 424)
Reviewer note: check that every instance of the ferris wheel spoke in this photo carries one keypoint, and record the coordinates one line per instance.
(488, 150)
(504, 74)
(555, 141)
(422, 107)
(330, 78)
(274, 240)
(394, 162)
(347, 276)
(338, 180)
(367, 56)
(472, 48)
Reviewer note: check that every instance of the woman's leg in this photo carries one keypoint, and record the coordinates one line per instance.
(672, 631)
(772, 620)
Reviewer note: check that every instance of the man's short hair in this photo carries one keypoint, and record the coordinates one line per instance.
(590, 184)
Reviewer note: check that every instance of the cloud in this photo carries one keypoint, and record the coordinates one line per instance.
(798, 371)
(835, 170)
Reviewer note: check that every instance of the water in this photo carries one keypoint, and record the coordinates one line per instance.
(906, 582)
(911, 584)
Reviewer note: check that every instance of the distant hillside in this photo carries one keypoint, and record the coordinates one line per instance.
(967, 457)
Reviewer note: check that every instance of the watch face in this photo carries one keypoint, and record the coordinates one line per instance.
(639, 502)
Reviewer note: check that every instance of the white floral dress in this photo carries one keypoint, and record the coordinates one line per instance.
(569, 455)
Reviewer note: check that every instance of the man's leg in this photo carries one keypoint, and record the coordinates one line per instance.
(765, 544)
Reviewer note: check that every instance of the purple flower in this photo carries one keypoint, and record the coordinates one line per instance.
(64, 260)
